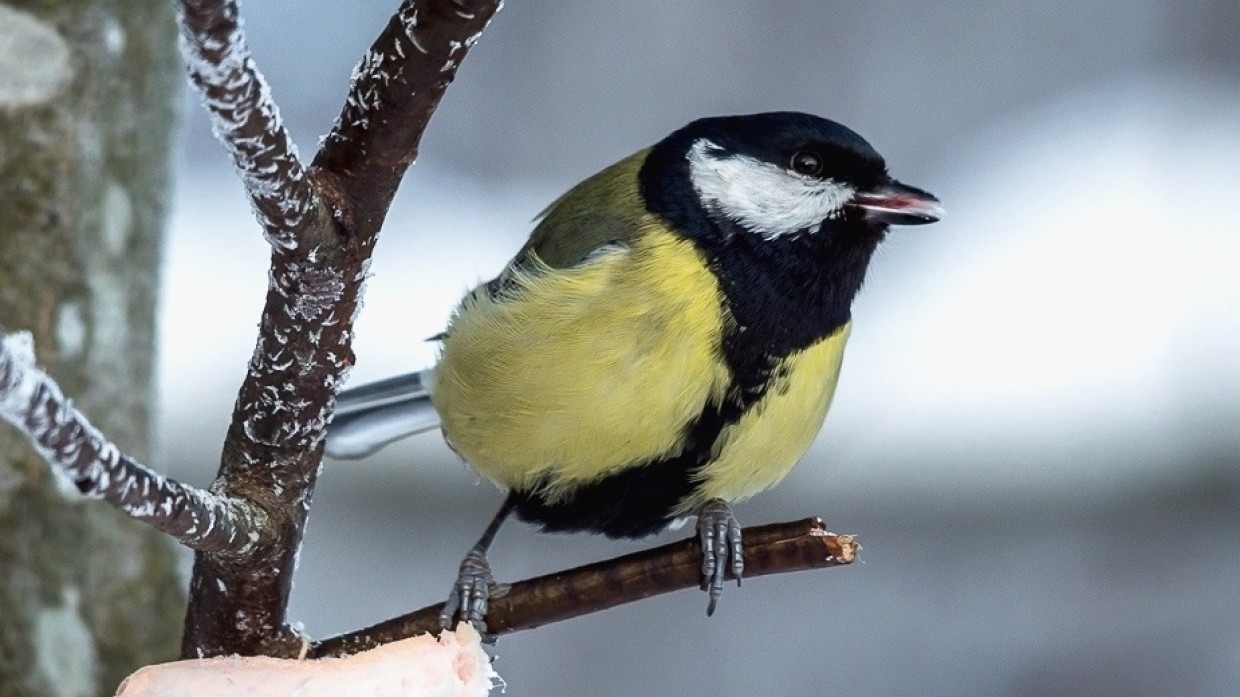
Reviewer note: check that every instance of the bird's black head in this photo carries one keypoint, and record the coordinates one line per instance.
(787, 209)
(773, 175)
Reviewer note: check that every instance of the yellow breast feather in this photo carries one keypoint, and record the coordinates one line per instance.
(758, 451)
(574, 373)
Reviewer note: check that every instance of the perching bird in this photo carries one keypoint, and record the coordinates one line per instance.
(666, 343)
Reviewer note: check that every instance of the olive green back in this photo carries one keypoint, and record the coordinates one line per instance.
(605, 209)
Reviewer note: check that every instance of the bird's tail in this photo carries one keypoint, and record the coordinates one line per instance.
(376, 414)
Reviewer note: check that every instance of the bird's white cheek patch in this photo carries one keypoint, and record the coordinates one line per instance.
(760, 196)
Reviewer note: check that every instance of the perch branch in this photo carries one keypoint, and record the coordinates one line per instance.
(33, 402)
(769, 549)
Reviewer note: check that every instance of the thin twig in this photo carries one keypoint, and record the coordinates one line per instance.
(246, 119)
(769, 549)
(32, 401)
(396, 87)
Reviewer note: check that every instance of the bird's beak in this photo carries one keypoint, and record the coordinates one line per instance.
(893, 203)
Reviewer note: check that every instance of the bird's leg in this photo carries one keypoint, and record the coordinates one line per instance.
(720, 536)
(474, 582)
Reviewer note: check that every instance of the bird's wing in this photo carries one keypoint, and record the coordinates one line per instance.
(601, 212)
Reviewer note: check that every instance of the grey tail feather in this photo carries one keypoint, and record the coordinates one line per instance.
(373, 415)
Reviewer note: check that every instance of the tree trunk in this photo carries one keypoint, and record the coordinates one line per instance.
(88, 100)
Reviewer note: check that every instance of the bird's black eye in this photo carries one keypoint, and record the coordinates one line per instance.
(807, 163)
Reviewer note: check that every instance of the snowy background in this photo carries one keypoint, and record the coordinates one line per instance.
(1037, 434)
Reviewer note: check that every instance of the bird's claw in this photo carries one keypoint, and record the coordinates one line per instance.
(470, 593)
(720, 536)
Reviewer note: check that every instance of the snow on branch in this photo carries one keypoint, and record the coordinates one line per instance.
(32, 401)
(769, 549)
(304, 352)
(395, 88)
(246, 119)
(323, 223)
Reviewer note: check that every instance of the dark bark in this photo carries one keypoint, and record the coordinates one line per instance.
(274, 445)
(769, 549)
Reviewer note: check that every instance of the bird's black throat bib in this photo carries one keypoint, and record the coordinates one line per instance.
(785, 294)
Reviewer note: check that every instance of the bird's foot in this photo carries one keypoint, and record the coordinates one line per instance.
(720, 536)
(471, 592)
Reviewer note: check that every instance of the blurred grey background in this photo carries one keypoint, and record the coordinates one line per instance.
(1036, 435)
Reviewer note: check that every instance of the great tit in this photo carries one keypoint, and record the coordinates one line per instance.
(666, 343)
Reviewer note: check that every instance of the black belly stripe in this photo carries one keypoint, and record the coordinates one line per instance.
(638, 501)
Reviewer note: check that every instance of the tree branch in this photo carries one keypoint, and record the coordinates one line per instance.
(246, 120)
(396, 87)
(273, 449)
(769, 549)
(248, 530)
(31, 401)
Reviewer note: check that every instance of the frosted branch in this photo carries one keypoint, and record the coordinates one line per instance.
(273, 450)
(769, 549)
(32, 401)
(395, 88)
(246, 119)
